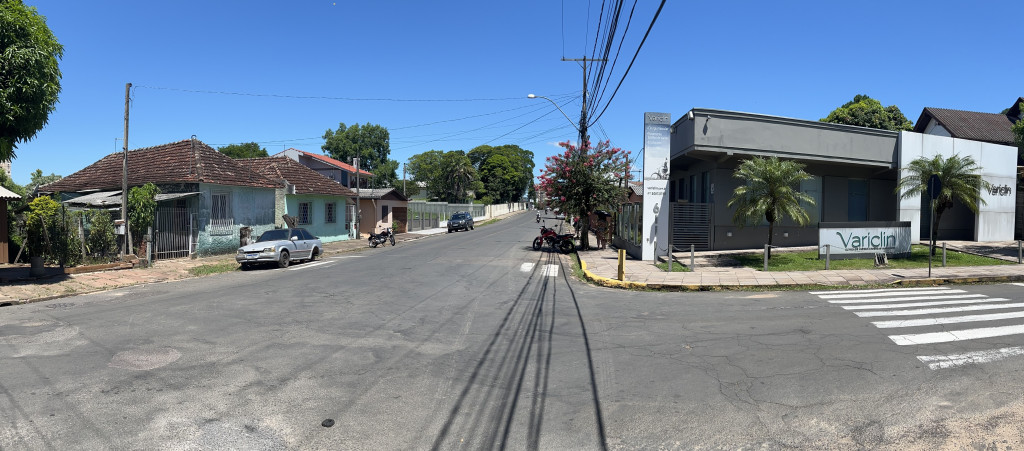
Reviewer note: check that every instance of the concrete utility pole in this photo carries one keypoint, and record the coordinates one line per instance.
(124, 176)
(584, 137)
(358, 210)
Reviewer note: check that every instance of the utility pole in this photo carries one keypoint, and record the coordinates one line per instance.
(359, 212)
(584, 137)
(124, 177)
(403, 181)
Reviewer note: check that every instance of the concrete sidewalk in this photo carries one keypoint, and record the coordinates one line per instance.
(712, 271)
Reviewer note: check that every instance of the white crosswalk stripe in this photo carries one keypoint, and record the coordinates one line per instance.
(932, 307)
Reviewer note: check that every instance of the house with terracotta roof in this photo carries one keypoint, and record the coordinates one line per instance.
(995, 128)
(206, 197)
(331, 168)
(319, 204)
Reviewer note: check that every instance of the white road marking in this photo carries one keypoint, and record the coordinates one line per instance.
(347, 256)
(946, 320)
(880, 290)
(526, 267)
(550, 270)
(1019, 284)
(956, 335)
(929, 311)
(307, 265)
(921, 304)
(948, 361)
(908, 298)
(891, 293)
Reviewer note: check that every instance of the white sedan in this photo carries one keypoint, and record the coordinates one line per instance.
(281, 246)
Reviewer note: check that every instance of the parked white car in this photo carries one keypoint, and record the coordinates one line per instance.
(281, 246)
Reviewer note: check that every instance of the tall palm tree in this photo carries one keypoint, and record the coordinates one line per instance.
(960, 178)
(770, 193)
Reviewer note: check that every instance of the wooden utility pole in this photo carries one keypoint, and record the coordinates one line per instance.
(127, 246)
(358, 199)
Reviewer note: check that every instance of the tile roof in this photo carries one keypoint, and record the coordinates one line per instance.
(177, 162)
(976, 126)
(381, 193)
(332, 161)
(305, 180)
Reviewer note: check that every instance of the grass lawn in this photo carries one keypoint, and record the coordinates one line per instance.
(676, 266)
(808, 261)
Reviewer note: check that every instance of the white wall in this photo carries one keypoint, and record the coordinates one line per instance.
(994, 221)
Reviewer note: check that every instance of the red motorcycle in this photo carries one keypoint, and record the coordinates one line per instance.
(562, 242)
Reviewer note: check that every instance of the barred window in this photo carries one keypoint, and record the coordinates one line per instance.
(330, 216)
(305, 213)
(221, 219)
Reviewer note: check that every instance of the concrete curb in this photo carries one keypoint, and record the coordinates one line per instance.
(613, 283)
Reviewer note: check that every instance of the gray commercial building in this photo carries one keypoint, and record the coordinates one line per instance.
(854, 169)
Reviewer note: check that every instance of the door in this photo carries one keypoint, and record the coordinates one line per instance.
(857, 200)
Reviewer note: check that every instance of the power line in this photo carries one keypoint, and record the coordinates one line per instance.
(655, 19)
(354, 99)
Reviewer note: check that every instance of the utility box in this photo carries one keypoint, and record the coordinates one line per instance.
(119, 226)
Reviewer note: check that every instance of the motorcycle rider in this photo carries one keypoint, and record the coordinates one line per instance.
(538, 217)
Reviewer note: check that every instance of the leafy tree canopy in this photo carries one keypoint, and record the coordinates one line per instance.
(449, 176)
(1018, 132)
(29, 74)
(505, 171)
(141, 210)
(867, 112)
(244, 150)
(961, 182)
(38, 179)
(371, 143)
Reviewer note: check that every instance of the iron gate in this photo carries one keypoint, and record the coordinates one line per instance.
(174, 233)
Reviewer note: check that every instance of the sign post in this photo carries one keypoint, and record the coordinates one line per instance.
(657, 138)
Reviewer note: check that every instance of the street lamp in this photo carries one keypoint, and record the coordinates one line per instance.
(534, 96)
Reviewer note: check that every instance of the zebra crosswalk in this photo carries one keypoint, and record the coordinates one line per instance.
(937, 315)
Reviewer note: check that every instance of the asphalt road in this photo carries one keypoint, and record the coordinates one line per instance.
(473, 340)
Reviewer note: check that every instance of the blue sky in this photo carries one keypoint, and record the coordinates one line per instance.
(458, 72)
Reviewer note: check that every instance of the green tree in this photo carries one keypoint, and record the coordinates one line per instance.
(371, 143)
(244, 150)
(29, 74)
(102, 240)
(38, 179)
(141, 210)
(867, 112)
(1018, 133)
(449, 176)
(51, 232)
(505, 171)
(961, 182)
(769, 193)
(12, 206)
(582, 180)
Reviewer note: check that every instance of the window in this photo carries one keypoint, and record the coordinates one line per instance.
(384, 213)
(330, 213)
(221, 219)
(305, 213)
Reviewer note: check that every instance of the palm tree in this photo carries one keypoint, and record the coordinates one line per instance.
(960, 182)
(769, 193)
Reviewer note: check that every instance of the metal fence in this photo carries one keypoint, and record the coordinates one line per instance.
(174, 233)
(428, 215)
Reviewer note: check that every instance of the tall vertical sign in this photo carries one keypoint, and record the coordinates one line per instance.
(655, 172)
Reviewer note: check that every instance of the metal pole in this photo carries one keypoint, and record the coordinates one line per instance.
(943, 254)
(622, 265)
(668, 257)
(358, 199)
(1019, 253)
(691, 257)
(931, 239)
(828, 256)
(765, 258)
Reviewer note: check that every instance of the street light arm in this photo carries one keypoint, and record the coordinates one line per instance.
(534, 96)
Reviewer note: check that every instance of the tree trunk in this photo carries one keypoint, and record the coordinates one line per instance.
(935, 229)
(584, 231)
(771, 233)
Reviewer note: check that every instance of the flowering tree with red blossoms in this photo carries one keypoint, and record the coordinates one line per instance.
(581, 180)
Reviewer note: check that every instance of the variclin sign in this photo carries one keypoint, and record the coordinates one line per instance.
(864, 239)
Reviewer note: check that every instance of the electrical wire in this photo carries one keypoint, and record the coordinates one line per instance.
(354, 99)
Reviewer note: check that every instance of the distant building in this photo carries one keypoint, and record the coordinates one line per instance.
(6, 166)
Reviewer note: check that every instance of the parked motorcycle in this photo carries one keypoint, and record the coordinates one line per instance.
(563, 242)
(382, 238)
